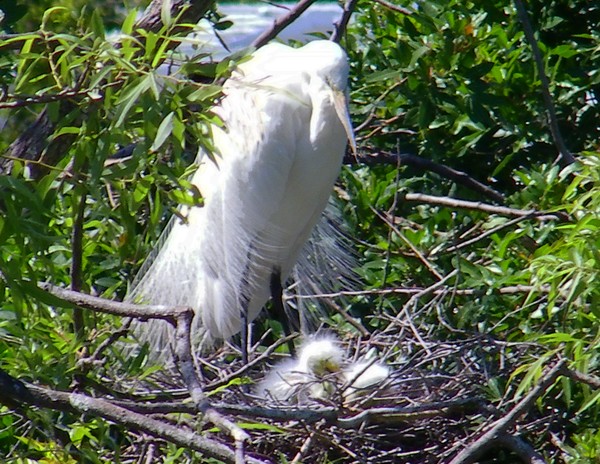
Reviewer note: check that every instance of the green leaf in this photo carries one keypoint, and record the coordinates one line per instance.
(164, 131)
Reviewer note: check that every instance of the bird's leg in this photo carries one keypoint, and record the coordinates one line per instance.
(244, 334)
(278, 311)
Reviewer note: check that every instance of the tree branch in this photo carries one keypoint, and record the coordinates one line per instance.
(421, 163)
(13, 391)
(393, 7)
(282, 22)
(94, 303)
(502, 425)
(479, 206)
(564, 152)
(342, 24)
(522, 449)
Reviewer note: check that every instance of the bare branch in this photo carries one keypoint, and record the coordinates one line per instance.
(342, 24)
(590, 380)
(439, 290)
(94, 303)
(479, 206)
(13, 391)
(504, 424)
(282, 22)
(522, 449)
(564, 152)
(421, 163)
(393, 7)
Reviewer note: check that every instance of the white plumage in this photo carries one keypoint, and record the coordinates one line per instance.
(286, 127)
(313, 375)
(362, 377)
(321, 371)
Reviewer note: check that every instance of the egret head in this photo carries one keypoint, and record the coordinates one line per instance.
(321, 357)
(328, 61)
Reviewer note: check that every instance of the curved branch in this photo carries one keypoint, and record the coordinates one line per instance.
(282, 22)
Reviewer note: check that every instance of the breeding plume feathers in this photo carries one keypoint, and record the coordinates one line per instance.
(286, 128)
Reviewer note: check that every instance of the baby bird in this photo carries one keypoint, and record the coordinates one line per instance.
(312, 376)
(362, 377)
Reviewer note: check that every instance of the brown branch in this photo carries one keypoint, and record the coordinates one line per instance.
(187, 368)
(94, 303)
(77, 259)
(522, 449)
(13, 391)
(282, 22)
(19, 101)
(454, 175)
(564, 152)
(342, 24)
(393, 7)
(486, 207)
(590, 380)
(186, 11)
(501, 427)
(509, 290)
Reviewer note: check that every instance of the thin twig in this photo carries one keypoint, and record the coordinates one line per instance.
(438, 290)
(454, 175)
(486, 207)
(393, 7)
(77, 256)
(487, 233)
(414, 249)
(19, 101)
(564, 152)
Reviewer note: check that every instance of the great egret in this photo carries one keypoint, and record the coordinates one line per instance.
(285, 130)
(312, 376)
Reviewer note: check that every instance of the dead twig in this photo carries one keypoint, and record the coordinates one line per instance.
(486, 207)
(396, 8)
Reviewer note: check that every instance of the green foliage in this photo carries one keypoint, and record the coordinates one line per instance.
(130, 133)
(453, 82)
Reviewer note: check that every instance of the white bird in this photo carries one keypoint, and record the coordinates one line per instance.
(285, 130)
(312, 376)
(363, 377)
